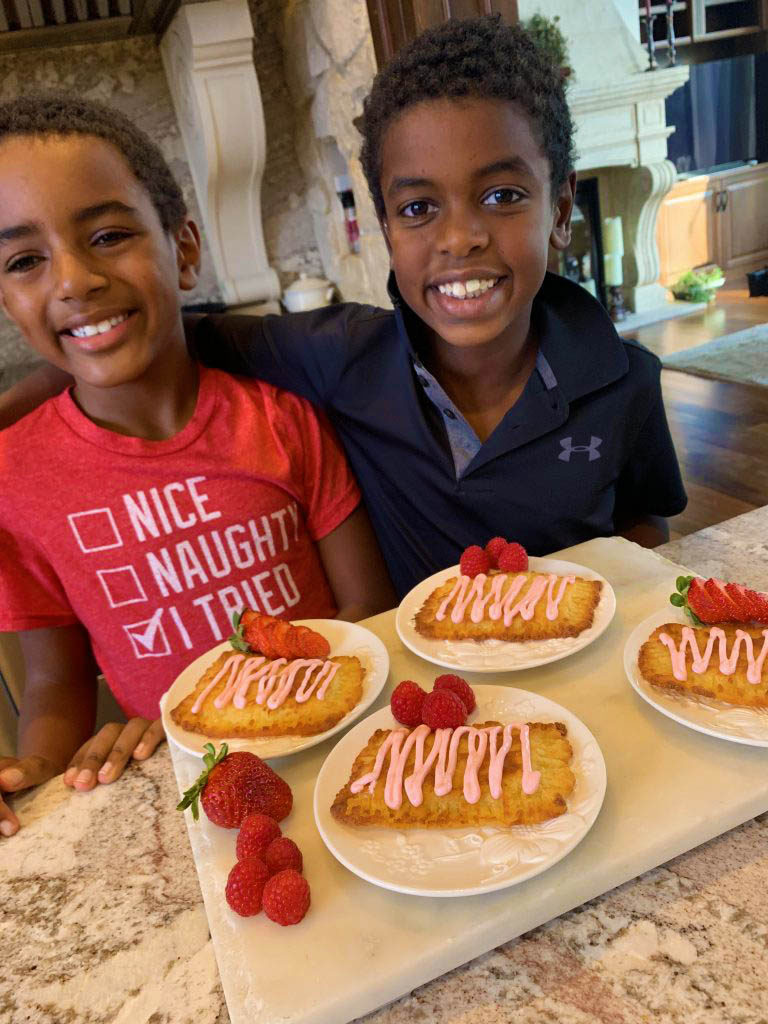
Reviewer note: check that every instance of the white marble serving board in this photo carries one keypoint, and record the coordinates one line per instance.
(669, 789)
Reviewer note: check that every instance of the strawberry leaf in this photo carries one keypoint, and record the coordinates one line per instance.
(192, 795)
(237, 640)
(680, 598)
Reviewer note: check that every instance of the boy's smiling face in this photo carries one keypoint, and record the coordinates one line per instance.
(87, 271)
(469, 212)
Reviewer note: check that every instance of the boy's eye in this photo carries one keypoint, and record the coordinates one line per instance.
(418, 208)
(19, 264)
(111, 237)
(502, 197)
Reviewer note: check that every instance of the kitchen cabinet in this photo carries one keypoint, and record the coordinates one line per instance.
(714, 218)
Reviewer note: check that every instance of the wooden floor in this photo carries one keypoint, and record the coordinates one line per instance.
(720, 427)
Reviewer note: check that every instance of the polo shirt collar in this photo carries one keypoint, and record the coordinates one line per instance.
(576, 336)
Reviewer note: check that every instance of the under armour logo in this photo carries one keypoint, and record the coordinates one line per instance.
(566, 443)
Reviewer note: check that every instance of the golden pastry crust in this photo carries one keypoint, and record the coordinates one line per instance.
(290, 719)
(550, 754)
(575, 614)
(655, 664)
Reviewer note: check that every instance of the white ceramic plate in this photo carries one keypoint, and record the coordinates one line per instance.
(462, 862)
(713, 717)
(344, 637)
(500, 655)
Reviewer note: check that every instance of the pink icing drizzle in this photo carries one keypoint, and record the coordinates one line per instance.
(468, 591)
(442, 759)
(728, 662)
(275, 679)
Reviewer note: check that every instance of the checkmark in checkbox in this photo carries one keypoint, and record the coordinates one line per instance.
(148, 638)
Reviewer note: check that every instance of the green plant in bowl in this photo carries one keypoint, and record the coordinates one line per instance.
(547, 35)
(698, 285)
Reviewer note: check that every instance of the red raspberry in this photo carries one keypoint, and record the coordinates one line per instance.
(442, 709)
(513, 558)
(474, 561)
(406, 702)
(286, 897)
(282, 854)
(460, 687)
(245, 886)
(494, 548)
(255, 835)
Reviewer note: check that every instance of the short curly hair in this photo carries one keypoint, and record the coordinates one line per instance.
(476, 57)
(55, 113)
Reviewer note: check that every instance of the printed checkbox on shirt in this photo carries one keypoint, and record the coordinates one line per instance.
(122, 586)
(95, 530)
(148, 638)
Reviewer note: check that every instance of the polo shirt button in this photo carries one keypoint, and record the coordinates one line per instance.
(449, 413)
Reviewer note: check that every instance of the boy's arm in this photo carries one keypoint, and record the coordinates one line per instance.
(41, 384)
(57, 717)
(355, 569)
(647, 531)
(300, 352)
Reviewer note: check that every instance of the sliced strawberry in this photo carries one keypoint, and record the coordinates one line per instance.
(726, 606)
(281, 638)
(761, 607)
(701, 603)
(742, 598)
(315, 645)
(264, 642)
(251, 622)
(297, 640)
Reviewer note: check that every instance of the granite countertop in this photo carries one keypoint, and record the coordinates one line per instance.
(101, 917)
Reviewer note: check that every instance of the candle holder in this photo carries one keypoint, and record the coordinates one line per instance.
(671, 50)
(650, 42)
(616, 308)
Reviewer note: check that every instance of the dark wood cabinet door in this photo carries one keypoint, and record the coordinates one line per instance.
(395, 22)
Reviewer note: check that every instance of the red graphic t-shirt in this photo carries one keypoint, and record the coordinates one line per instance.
(152, 545)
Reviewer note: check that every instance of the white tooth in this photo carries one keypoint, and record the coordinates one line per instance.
(103, 326)
(473, 285)
(459, 291)
(443, 289)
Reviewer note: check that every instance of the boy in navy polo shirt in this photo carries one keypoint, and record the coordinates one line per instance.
(495, 399)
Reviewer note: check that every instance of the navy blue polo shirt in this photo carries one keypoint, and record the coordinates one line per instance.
(585, 448)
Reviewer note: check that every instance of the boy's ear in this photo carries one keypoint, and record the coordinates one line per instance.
(187, 241)
(560, 236)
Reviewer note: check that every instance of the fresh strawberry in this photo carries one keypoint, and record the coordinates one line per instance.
(474, 560)
(752, 604)
(513, 558)
(281, 636)
(460, 687)
(264, 638)
(701, 603)
(282, 854)
(245, 886)
(442, 709)
(406, 703)
(235, 785)
(494, 548)
(722, 600)
(256, 833)
(313, 644)
(286, 897)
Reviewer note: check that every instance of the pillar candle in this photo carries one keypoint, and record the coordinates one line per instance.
(612, 269)
(613, 239)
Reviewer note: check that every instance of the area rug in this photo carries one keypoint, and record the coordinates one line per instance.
(742, 356)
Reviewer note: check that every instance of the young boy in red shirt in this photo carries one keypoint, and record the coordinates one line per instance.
(141, 509)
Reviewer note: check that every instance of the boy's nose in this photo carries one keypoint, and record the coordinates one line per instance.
(75, 277)
(462, 232)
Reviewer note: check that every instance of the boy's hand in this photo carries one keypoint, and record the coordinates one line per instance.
(104, 756)
(16, 774)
